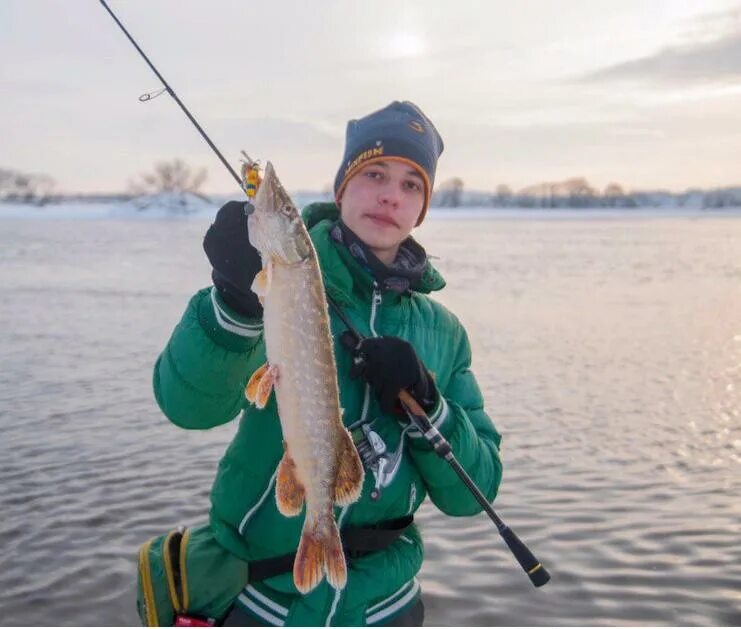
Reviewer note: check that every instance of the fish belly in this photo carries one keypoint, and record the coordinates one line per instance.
(298, 343)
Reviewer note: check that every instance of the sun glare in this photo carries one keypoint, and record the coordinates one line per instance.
(404, 44)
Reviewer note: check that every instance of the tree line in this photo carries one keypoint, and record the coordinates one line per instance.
(576, 192)
(176, 177)
(166, 177)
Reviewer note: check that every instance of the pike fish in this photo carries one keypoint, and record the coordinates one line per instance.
(320, 466)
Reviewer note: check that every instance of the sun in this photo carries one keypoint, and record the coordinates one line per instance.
(404, 44)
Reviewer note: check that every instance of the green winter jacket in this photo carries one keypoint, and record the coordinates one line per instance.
(199, 382)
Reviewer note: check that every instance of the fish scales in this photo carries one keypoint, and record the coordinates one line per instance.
(294, 326)
(320, 466)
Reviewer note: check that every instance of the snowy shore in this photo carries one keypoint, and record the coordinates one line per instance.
(200, 209)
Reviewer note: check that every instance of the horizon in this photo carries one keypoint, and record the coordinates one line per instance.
(520, 95)
(437, 190)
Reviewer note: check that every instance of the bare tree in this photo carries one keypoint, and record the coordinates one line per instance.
(503, 195)
(25, 187)
(174, 176)
(451, 192)
(575, 192)
(613, 195)
(503, 190)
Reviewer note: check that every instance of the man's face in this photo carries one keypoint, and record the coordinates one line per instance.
(381, 204)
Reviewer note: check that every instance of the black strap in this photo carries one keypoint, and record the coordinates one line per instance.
(265, 568)
(356, 541)
(175, 548)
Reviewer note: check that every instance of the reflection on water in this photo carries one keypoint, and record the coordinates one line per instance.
(609, 353)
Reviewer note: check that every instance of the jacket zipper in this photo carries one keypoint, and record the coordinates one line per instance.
(377, 299)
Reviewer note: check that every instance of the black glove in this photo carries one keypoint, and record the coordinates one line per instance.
(234, 260)
(390, 364)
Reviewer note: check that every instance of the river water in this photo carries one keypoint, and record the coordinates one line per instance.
(608, 350)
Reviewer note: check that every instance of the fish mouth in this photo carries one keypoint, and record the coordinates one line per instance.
(381, 219)
(275, 225)
(271, 195)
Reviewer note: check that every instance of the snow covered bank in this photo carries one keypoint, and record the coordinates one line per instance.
(489, 213)
(157, 207)
(166, 208)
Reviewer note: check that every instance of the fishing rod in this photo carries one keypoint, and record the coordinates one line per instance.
(536, 572)
(538, 575)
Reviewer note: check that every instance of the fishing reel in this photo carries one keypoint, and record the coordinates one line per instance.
(375, 456)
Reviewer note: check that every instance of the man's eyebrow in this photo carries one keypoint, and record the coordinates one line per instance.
(412, 171)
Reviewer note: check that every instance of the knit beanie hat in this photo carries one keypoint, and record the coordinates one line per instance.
(399, 131)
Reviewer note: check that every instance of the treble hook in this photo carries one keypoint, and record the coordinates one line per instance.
(150, 95)
(252, 163)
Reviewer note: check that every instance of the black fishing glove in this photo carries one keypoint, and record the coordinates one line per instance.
(234, 260)
(390, 364)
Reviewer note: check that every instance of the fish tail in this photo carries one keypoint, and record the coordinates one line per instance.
(319, 552)
(334, 557)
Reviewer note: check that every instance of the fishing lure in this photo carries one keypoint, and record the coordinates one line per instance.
(250, 176)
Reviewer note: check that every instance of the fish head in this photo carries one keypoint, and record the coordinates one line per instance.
(275, 226)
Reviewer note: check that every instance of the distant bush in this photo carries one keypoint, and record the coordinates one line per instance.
(174, 177)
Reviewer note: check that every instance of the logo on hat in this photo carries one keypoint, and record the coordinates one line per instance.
(364, 156)
(415, 125)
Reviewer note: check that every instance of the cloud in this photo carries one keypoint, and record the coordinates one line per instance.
(708, 58)
(675, 150)
(279, 133)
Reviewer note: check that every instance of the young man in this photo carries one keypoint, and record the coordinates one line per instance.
(380, 277)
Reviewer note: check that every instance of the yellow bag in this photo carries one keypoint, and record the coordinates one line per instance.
(186, 572)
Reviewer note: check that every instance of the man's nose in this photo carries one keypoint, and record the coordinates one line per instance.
(389, 194)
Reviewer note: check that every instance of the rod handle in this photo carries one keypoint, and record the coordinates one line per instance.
(534, 569)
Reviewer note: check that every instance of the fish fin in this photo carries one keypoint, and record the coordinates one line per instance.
(319, 552)
(350, 474)
(260, 385)
(265, 387)
(289, 492)
(250, 391)
(262, 281)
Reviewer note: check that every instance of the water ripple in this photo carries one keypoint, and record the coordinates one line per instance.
(608, 352)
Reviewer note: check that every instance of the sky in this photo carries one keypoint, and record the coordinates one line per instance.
(645, 93)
